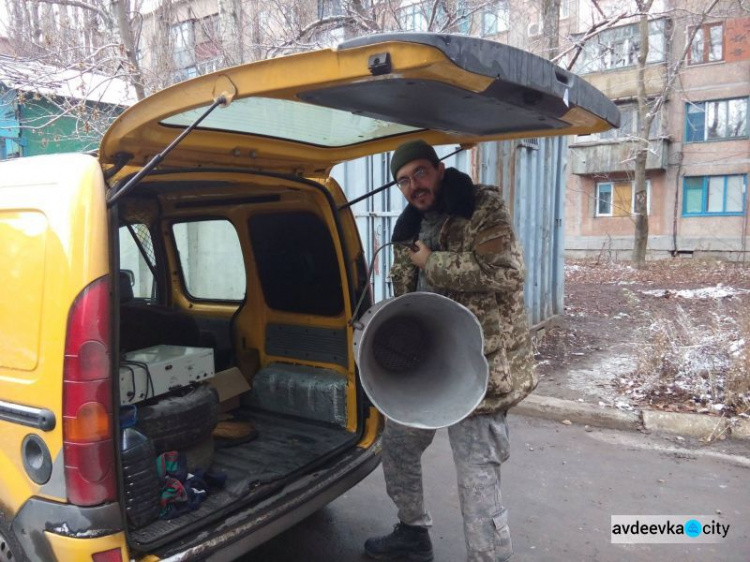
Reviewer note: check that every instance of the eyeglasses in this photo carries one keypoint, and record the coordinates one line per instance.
(406, 181)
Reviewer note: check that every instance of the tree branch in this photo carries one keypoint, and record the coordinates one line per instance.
(79, 4)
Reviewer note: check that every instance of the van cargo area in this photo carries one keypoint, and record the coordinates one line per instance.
(234, 363)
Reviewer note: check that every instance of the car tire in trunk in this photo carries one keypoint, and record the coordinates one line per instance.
(180, 420)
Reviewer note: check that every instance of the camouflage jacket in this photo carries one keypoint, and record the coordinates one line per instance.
(481, 268)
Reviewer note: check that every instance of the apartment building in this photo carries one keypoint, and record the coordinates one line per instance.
(699, 148)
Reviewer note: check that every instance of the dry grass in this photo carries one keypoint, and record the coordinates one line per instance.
(737, 386)
(673, 271)
(689, 321)
(688, 364)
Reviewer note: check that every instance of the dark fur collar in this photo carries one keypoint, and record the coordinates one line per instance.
(459, 198)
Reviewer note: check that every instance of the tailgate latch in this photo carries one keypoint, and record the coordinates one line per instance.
(380, 64)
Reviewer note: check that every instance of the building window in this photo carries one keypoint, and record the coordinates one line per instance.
(618, 48)
(604, 200)
(564, 9)
(207, 43)
(411, 17)
(196, 47)
(183, 45)
(329, 8)
(617, 199)
(714, 195)
(708, 44)
(716, 120)
(495, 19)
(629, 126)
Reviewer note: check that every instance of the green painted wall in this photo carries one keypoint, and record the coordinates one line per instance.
(35, 124)
(53, 126)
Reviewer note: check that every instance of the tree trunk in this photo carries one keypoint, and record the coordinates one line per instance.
(122, 7)
(551, 27)
(230, 17)
(640, 242)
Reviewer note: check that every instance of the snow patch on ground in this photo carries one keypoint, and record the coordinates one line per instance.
(717, 292)
(597, 378)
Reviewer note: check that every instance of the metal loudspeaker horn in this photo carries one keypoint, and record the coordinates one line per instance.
(421, 360)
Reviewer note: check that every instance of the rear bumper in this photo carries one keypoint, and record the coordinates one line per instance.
(253, 526)
(41, 526)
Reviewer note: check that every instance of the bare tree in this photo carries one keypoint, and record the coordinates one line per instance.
(645, 117)
(64, 54)
(648, 109)
(649, 103)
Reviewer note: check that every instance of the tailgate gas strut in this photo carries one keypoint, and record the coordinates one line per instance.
(389, 184)
(224, 100)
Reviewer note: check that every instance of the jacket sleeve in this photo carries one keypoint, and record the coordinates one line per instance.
(403, 272)
(494, 263)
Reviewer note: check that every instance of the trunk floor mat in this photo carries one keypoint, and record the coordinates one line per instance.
(283, 446)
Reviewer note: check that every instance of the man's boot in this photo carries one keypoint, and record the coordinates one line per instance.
(406, 541)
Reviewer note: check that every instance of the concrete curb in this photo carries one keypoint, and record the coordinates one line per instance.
(705, 428)
(577, 412)
(693, 425)
(739, 428)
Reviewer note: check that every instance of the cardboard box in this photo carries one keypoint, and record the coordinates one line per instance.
(229, 384)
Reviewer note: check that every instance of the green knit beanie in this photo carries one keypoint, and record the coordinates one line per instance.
(410, 151)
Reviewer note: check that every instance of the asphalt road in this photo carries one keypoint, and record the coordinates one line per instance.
(561, 485)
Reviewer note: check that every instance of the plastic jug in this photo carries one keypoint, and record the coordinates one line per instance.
(142, 486)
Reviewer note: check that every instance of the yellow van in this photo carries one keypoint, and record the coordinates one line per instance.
(176, 371)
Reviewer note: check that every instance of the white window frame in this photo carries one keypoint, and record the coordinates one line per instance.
(564, 9)
(617, 48)
(411, 16)
(495, 19)
(597, 201)
(611, 185)
(183, 44)
(630, 128)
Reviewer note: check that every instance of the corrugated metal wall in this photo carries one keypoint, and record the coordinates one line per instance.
(532, 174)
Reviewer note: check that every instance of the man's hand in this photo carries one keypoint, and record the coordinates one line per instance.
(419, 257)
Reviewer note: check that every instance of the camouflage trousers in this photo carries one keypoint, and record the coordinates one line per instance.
(480, 444)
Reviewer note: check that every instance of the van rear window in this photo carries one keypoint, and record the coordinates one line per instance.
(297, 263)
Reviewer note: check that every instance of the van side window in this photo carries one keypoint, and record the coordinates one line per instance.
(211, 259)
(132, 259)
(297, 263)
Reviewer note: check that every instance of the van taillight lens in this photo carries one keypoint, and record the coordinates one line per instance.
(88, 445)
(113, 555)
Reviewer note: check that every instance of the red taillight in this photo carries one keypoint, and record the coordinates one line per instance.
(87, 400)
(113, 555)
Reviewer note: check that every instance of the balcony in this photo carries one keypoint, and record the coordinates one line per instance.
(607, 157)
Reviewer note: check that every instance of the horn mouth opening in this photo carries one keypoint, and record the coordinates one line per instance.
(421, 360)
(401, 344)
